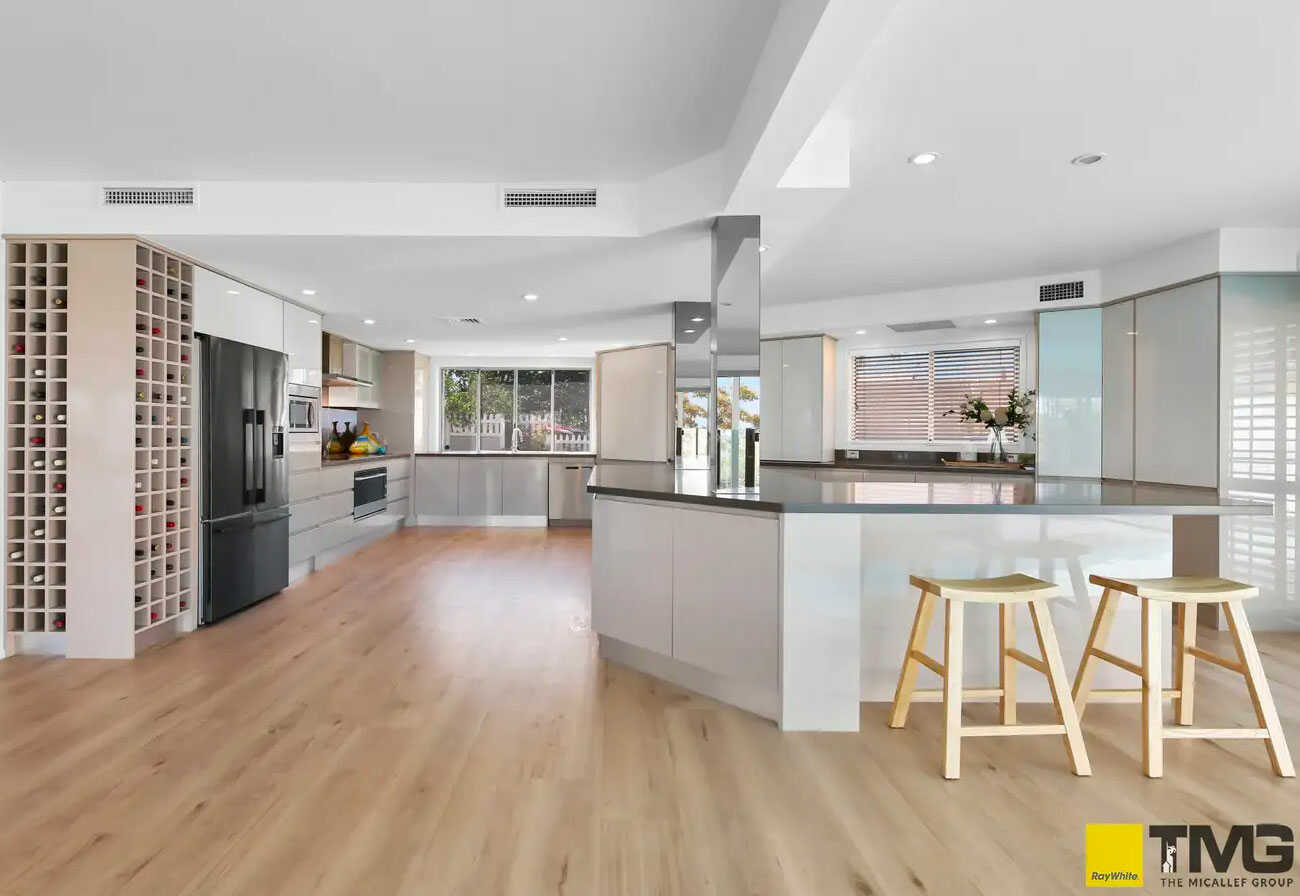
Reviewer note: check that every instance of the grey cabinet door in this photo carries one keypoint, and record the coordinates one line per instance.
(524, 486)
(480, 486)
(437, 486)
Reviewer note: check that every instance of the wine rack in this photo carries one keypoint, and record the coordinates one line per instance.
(164, 545)
(36, 436)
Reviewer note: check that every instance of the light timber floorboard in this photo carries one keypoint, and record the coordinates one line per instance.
(430, 716)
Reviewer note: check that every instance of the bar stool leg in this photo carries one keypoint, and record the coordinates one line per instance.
(1260, 696)
(907, 675)
(1096, 638)
(952, 689)
(1152, 692)
(1050, 651)
(1184, 662)
(1007, 664)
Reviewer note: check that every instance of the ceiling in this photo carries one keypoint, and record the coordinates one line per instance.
(405, 90)
(1195, 101)
(595, 292)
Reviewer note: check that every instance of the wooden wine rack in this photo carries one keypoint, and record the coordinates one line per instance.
(36, 383)
(165, 450)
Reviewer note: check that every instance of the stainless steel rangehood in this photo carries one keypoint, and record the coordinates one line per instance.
(341, 361)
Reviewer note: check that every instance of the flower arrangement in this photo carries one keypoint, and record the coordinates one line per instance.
(1017, 414)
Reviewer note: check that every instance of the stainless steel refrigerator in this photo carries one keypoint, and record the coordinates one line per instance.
(245, 478)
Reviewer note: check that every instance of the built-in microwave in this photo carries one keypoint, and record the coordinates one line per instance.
(304, 409)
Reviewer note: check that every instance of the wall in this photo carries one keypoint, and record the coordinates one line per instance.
(1187, 259)
(1259, 249)
(881, 338)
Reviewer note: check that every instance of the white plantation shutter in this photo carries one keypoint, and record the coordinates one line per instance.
(989, 373)
(891, 396)
(903, 396)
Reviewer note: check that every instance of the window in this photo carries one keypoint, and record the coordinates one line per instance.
(903, 396)
(516, 410)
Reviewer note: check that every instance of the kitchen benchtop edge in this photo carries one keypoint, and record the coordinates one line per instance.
(543, 455)
(361, 459)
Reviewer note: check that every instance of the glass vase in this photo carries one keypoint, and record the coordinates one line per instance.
(996, 452)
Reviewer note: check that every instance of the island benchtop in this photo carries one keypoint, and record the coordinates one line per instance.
(1014, 495)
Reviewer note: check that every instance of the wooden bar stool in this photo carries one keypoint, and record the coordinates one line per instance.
(1184, 593)
(1006, 592)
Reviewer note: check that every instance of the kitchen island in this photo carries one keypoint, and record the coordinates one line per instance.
(792, 601)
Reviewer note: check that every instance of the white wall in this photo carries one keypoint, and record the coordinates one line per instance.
(1259, 249)
(1195, 256)
(880, 338)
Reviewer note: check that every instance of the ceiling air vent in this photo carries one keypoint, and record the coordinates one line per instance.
(462, 321)
(153, 196)
(549, 197)
(920, 325)
(1058, 292)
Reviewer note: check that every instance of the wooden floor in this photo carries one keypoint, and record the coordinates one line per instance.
(429, 716)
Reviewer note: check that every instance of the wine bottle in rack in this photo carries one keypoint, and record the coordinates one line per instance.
(38, 417)
(39, 371)
(38, 395)
(59, 625)
(38, 579)
(157, 331)
(60, 418)
(15, 555)
(38, 532)
(58, 462)
(38, 441)
(139, 349)
(59, 509)
(36, 326)
(184, 604)
(139, 508)
(59, 302)
(139, 396)
(139, 553)
(38, 464)
(19, 348)
(139, 328)
(139, 371)
(60, 487)
(18, 303)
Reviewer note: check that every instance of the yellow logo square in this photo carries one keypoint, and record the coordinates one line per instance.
(1112, 855)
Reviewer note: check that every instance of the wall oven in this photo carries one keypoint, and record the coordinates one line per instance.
(304, 409)
(369, 492)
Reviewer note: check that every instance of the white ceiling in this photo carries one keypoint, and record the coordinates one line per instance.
(596, 292)
(415, 90)
(1197, 103)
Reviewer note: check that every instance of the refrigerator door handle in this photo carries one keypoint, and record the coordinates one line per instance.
(259, 443)
(249, 456)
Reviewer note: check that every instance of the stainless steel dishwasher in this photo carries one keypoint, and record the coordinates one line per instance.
(569, 503)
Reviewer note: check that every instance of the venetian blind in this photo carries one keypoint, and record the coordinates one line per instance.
(891, 396)
(904, 396)
(989, 373)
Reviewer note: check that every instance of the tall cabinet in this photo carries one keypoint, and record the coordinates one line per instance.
(797, 399)
(99, 446)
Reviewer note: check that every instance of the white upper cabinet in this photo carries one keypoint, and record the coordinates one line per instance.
(231, 310)
(797, 399)
(302, 343)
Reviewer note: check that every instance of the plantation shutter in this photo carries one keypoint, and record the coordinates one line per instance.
(988, 373)
(891, 396)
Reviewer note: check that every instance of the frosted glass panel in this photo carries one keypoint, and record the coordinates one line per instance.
(1069, 393)
(1260, 350)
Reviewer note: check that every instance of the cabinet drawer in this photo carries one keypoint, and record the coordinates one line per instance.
(307, 514)
(304, 486)
(398, 489)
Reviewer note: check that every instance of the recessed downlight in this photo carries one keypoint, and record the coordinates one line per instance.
(369, 322)
(762, 247)
(232, 292)
(697, 320)
(991, 320)
(531, 297)
(313, 321)
(562, 339)
(1088, 158)
(859, 332)
(309, 292)
(688, 331)
(410, 341)
(923, 158)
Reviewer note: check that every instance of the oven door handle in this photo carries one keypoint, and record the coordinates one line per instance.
(358, 477)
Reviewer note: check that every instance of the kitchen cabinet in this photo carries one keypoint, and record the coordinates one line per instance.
(631, 578)
(231, 310)
(634, 401)
(437, 486)
(797, 399)
(345, 361)
(1176, 383)
(1118, 335)
(302, 343)
(480, 482)
(524, 486)
(569, 499)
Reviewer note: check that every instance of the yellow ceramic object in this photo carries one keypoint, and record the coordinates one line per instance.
(363, 444)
